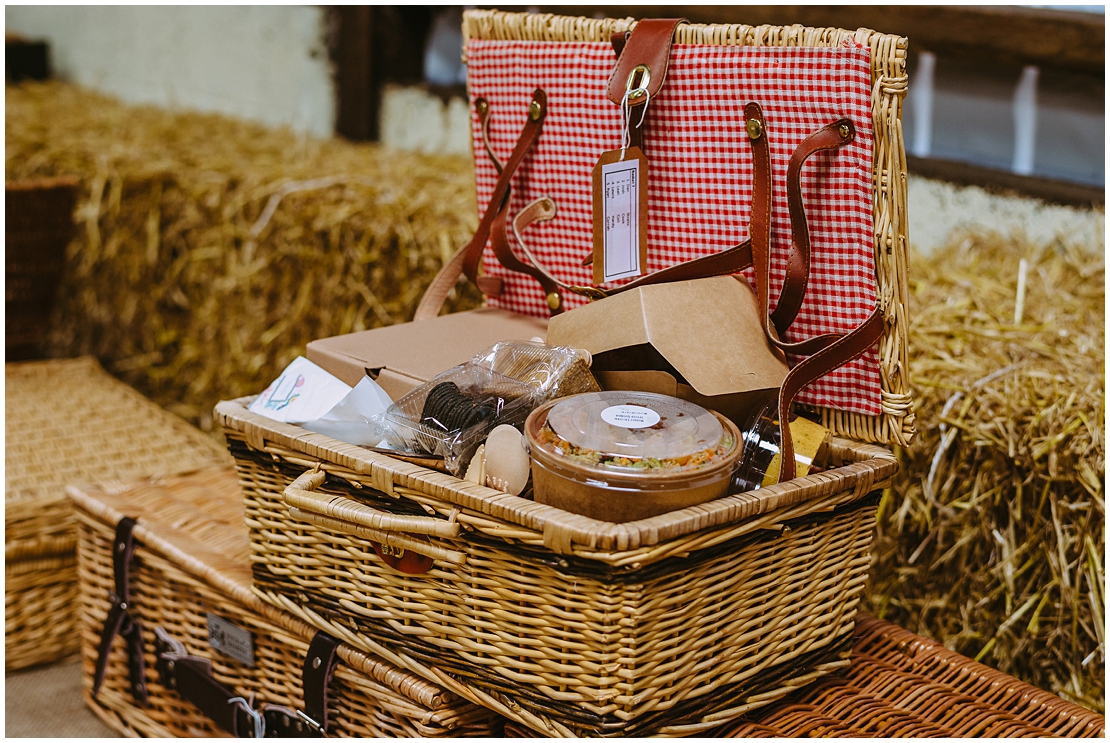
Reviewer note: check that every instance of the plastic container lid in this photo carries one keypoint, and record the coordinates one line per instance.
(636, 431)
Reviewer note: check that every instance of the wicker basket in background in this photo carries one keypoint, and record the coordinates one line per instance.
(903, 686)
(69, 422)
(191, 561)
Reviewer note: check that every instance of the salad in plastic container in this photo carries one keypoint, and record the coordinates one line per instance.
(620, 456)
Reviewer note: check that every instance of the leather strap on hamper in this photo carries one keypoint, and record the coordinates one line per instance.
(468, 258)
(191, 677)
(737, 258)
(120, 621)
(643, 56)
(319, 665)
(825, 352)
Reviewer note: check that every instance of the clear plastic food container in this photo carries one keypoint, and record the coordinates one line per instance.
(622, 456)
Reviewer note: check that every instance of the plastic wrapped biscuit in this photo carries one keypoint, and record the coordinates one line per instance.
(553, 371)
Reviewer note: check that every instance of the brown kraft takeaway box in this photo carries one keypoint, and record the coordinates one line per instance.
(404, 356)
(699, 340)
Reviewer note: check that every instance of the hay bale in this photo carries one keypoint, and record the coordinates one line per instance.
(991, 540)
(211, 250)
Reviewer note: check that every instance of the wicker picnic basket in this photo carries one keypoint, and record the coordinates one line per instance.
(190, 565)
(570, 626)
(900, 685)
(69, 422)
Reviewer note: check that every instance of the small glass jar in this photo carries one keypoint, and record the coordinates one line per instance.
(760, 458)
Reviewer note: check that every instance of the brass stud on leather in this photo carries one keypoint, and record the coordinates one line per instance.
(535, 110)
(553, 301)
(483, 106)
(844, 131)
(755, 128)
(316, 662)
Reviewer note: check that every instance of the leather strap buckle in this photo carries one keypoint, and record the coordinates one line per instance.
(638, 81)
(191, 677)
(119, 621)
(311, 723)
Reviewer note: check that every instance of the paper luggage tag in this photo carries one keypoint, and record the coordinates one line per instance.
(620, 215)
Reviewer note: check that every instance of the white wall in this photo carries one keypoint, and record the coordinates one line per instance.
(263, 63)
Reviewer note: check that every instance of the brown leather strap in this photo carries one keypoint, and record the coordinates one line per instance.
(836, 351)
(759, 225)
(482, 106)
(829, 137)
(467, 259)
(499, 238)
(500, 241)
(618, 39)
(319, 665)
(120, 621)
(644, 54)
(649, 45)
(540, 210)
(826, 352)
(191, 677)
(725, 263)
(537, 112)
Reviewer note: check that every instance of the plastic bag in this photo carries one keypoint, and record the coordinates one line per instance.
(552, 371)
(451, 414)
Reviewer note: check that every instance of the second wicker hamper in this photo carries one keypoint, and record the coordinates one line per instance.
(188, 585)
(69, 422)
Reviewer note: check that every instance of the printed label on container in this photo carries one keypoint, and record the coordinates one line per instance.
(231, 640)
(630, 416)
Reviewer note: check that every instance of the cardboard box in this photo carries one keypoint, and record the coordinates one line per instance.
(699, 340)
(404, 356)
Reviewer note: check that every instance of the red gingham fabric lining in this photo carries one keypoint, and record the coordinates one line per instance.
(699, 166)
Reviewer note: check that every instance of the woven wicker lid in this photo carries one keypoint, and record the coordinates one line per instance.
(69, 422)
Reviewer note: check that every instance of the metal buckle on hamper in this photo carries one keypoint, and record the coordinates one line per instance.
(311, 723)
(283, 722)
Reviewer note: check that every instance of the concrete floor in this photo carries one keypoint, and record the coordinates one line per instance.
(46, 702)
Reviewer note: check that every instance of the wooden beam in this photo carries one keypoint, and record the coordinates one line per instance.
(351, 36)
(1003, 182)
(998, 33)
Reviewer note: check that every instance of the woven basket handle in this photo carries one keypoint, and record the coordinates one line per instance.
(338, 513)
